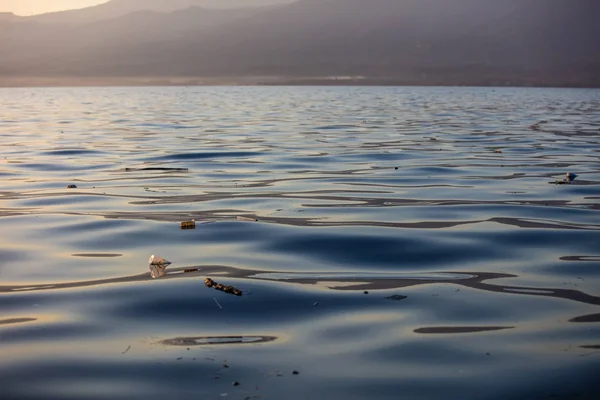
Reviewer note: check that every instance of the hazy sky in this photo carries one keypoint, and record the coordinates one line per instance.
(29, 7)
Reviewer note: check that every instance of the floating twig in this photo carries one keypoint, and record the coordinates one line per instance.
(127, 349)
(217, 286)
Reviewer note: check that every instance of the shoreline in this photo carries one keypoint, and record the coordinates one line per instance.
(41, 82)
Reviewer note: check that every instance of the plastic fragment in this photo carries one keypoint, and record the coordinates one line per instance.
(158, 266)
(156, 271)
(188, 225)
(157, 260)
(569, 176)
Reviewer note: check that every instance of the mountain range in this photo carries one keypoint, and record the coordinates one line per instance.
(423, 42)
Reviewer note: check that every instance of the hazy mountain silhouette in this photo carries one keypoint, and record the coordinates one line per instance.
(119, 8)
(476, 42)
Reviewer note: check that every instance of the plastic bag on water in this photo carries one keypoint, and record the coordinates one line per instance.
(158, 266)
(156, 271)
(157, 260)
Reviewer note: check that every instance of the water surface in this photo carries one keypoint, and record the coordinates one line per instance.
(394, 243)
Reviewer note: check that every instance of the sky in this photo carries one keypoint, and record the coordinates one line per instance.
(30, 7)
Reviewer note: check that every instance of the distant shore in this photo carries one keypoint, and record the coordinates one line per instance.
(60, 81)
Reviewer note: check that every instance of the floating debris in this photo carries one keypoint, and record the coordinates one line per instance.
(156, 271)
(316, 303)
(569, 178)
(158, 266)
(247, 219)
(157, 260)
(157, 169)
(365, 292)
(188, 225)
(295, 372)
(497, 151)
(217, 286)
(236, 383)
(72, 187)
(188, 270)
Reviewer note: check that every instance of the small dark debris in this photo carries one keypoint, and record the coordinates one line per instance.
(217, 286)
(188, 349)
(157, 169)
(569, 178)
(316, 303)
(179, 358)
(396, 168)
(396, 297)
(188, 270)
(225, 366)
(185, 225)
(72, 187)
(487, 354)
(295, 372)
(236, 383)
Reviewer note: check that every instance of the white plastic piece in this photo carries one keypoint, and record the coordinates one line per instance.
(156, 271)
(157, 260)
(158, 266)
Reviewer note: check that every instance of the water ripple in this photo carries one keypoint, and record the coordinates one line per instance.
(321, 205)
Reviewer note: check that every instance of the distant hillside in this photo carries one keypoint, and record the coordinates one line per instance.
(429, 42)
(6, 16)
(119, 8)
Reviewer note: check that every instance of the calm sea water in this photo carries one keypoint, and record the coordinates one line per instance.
(407, 243)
